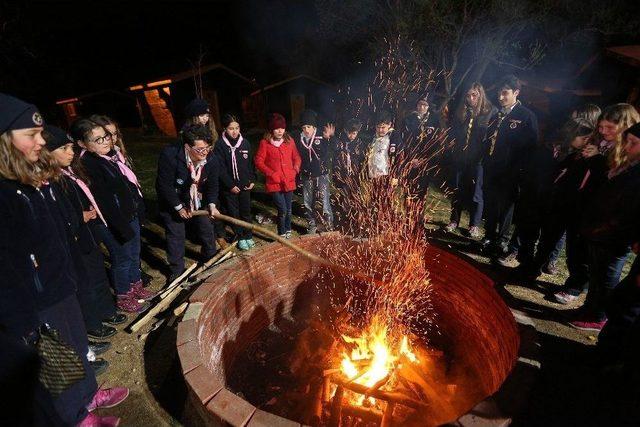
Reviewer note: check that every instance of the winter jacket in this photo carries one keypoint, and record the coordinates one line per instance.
(246, 173)
(173, 180)
(468, 145)
(280, 165)
(348, 158)
(316, 159)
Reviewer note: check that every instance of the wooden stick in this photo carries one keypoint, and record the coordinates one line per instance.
(336, 408)
(178, 279)
(387, 416)
(389, 396)
(214, 260)
(206, 273)
(310, 256)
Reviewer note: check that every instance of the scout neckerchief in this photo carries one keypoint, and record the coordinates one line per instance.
(234, 161)
(85, 189)
(125, 170)
(276, 142)
(469, 113)
(348, 155)
(504, 112)
(196, 172)
(309, 145)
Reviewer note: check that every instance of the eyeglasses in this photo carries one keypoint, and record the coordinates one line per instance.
(106, 139)
(203, 150)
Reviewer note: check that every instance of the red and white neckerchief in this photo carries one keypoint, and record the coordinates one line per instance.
(85, 189)
(234, 161)
(309, 145)
(276, 142)
(196, 172)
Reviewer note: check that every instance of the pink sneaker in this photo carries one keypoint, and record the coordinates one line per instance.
(451, 227)
(474, 232)
(139, 292)
(564, 298)
(92, 420)
(129, 303)
(108, 398)
(587, 325)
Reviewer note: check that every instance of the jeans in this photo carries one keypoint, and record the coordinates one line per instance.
(282, 200)
(125, 258)
(468, 194)
(499, 206)
(309, 188)
(605, 267)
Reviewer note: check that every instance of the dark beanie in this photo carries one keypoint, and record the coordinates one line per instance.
(633, 130)
(309, 117)
(55, 137)
(196, 107)
(16, 114)
(277, 121)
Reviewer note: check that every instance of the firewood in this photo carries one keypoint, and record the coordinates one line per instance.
(396, 397)
(365, 414)
(336, 408)
(443, 406)
(387, 416)
(378, 384)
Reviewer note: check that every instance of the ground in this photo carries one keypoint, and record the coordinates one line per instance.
(568, 390)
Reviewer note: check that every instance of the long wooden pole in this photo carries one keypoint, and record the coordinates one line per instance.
(271, 235)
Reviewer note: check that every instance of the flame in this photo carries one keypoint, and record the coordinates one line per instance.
(375, 355)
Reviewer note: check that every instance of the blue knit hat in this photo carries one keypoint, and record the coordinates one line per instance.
(196, 107)
(16, 114)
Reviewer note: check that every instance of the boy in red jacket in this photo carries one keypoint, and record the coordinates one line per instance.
(278, 159)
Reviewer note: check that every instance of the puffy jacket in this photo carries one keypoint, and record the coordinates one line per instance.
(280, 165)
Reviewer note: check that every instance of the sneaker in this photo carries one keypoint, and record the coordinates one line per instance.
(474, 232)
(129, 304)
(116, 319)
(251, 243)
(138, 291)
(102, 332)
(287, 235)
(243, 245)
(108, 398)
(564, 297)
(92, 420)
(451, 227)
(550, 268)
(588, 325)
(311, 230)
(99, 347)
(99, 366)
(507, 259)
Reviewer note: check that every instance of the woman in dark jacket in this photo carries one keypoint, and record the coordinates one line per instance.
(610, 226)
(469, 131)
(83, 213)
(118, 203)
(237, 176)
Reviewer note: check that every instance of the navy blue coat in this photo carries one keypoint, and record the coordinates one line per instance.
(244, 160)
(37, 269)
(173, 180)
(312, 166)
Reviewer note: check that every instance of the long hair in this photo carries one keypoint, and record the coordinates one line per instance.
(483, 107)
(14, 166)
(573, 128)
(624, 116)
(588, 112)
(76, 165)
(118, 140)
(212, 125)
(286, 137)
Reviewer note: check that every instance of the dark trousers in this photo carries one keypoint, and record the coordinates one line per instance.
(468, 194)
(499, 207)
(175, 233)
(124, 257)
(94, 294)
(605, 267)
(620, 338)
(238, 206)
(66, 317)
(282, 200)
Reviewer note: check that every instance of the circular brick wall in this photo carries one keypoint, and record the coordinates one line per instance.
(254, 290)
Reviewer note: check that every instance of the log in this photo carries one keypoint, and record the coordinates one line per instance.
(387, 416)
(389, 396)
(336, 408)
(365, 414)
(206, 273)
(178, 279)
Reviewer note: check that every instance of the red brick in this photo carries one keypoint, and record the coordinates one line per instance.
(203, 383)
(231, 408)
(189, 355)
(186, 332)
(265, 419)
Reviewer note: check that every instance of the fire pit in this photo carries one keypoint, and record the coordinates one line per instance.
(261, 300)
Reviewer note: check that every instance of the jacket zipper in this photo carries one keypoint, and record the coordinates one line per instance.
(36, 276)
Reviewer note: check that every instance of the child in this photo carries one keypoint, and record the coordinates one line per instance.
(83, 213)
(187, 180)
(421, 122)
(39, 276)
(278, 159)
(197, 113)
(610, 227)
(315, 151)
(115, 190)
(384, 148)
(469, 130)
(237, 176)
(350, 152)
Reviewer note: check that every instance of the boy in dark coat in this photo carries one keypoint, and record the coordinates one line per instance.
(187, 180)
(512, 136)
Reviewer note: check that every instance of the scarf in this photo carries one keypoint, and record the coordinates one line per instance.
(234, 161)
(276, 143)
(309, 145)
(125, 170)
(196, 172)
(85, 189)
